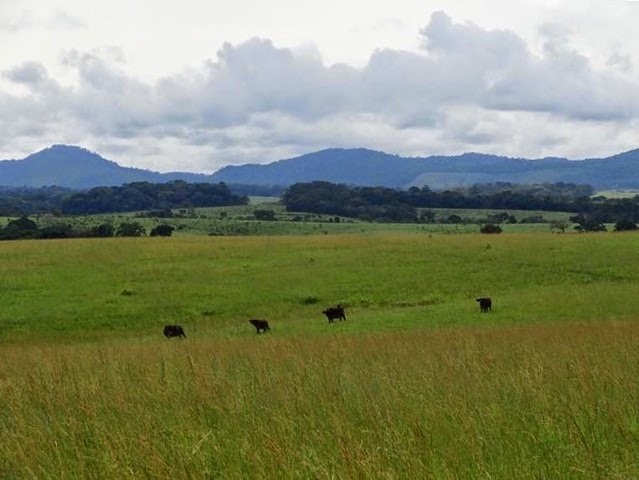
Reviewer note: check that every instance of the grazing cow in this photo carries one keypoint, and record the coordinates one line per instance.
(334, 312)
(485, 304)
(260, 325)
(174, 331)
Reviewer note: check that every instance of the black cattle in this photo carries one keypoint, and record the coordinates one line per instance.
(260, 325)
(485, 304)
(174, 331)
(335, 312)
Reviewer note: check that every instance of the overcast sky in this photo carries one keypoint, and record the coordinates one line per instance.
(198, 84)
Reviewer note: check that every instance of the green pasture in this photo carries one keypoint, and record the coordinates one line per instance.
(416, 383)
(617, 193)
(240, 220)
(78, 288)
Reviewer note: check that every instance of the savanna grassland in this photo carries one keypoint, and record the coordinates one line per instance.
(415, 384)
(240, 220)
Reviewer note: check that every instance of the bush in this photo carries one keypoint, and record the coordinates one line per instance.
(103, 230)
(57, 230)
(22, 227)
(589, 223)
(625, 225)
(427, 216)
(130, 229)
(533, 219)
(162, 231)
(455, 219)
(559, 225)
(591, 227)
(267, 215)
(490, 228)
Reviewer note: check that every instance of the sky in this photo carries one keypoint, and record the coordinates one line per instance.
(194, 85)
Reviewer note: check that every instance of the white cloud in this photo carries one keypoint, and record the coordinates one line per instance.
(29, 73)
(26, 19)
(22, 20)
(464, 88)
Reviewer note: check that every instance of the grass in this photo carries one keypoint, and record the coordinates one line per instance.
(415, 384)
(545, 401)
(240, 220)
(617, 193)
(86, 288)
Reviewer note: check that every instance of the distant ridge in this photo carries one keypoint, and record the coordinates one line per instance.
(369, 167)
(76, 167)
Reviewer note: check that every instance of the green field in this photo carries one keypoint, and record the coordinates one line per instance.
(415, 384)
(617, 193)
(240, 220)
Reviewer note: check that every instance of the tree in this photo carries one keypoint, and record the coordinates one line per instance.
(57, 230)
(163, 230)
(560, 225)
(267, 215)
(490, 228)
(130, 229)
(454, 218)
(589, 223)
(103, 230)
(625, 225)
(22, 227)
(427, 216)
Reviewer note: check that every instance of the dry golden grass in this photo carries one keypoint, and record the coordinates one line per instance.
(543, 401)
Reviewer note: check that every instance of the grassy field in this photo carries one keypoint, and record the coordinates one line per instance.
(617, 193)
(415, 384)
(91, 287)
(240, 220)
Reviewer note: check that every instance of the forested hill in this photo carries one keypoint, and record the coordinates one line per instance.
(371, 168)
(383, 204)
(75, 167)
(78, 168)
(126, 198)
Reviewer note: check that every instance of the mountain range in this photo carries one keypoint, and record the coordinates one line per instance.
(76, 167)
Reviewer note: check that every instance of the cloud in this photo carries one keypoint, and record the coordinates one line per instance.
(23, 20)
(28, 19)
(29, 73)
(64, 21)
(464, 88)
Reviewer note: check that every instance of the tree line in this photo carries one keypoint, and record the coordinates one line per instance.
(377, 204)
(24, 228)
(383, 204)
(126, 198)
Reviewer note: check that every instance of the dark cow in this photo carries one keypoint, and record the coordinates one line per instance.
(174, 331)
(335, 312)
(260, 325)
(485, 304)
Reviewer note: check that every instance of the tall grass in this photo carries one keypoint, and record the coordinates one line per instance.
(545, 386)
(544, 401)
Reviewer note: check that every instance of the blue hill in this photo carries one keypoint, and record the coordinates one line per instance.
(75, 167)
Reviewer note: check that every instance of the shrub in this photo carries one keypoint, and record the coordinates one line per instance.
(267, 215)
(559, 225)
(130, 229)
(490, 228)
(57, 230)
(22, 227)
(103, 230)
(163, 230)
(625, 225)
